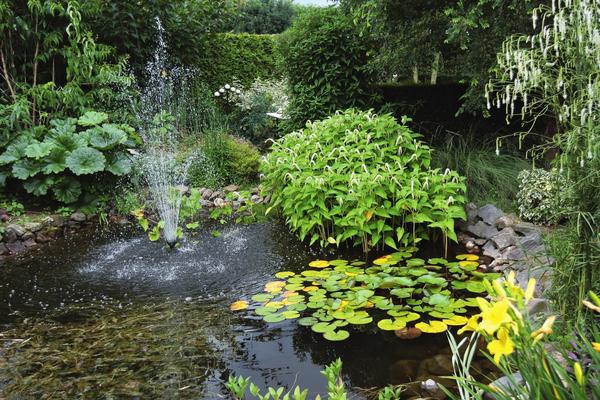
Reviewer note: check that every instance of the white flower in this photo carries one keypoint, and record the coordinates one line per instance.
(217, 94)
(227, 87)
(497, 151)
(238, 91)
(222, 90)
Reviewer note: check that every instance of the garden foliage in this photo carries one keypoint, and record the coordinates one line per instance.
(359, 178)
(324, 59)
(58, 158)
(544, 197)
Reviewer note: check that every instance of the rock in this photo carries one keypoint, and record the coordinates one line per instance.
(255, 190)
(482, 230)
(429, 385)
(439, 365)
(489, 249)
(74, 224)
(42, 237)
(530, 242)
(78, 217)
(4, 218)
(470, 245)
(57, 220)
(27, 235)
(33, 226)
(538, 306)
(231, 188)
(30, 243)
(18, 230)
(10, 236)
(542, 276)
(489, 214)
(463, 238)
(235, 205)
(219, 202)
(206, 203)
(506, 237)
(504, 222)
(216, 195)
(3, 249)
(256, 199)
(403, 371)
(480, 242)
(525, 228)
(183, 189)
(408, 333)
(507, 384)
(15, 247)
(513, 253)
(207, 194)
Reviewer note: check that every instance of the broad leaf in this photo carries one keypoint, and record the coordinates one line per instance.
(118, 164)
(67, 190)
(92, 118)
(85, 161)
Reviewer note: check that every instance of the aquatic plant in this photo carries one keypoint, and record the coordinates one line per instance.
(397, 290)
(361, 179)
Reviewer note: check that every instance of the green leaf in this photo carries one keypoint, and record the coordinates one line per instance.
(55, 162)
(39, 187)
(391, 325)
(92, 118)
(38, 150)
(106, 137)
(85, 161)
(26, 168)
(272, 318)
(336, 336)
(118, 164)
(67, 190)
(308, 321)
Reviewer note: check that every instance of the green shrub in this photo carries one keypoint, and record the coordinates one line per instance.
(324, 59)
(242, 57)
(59, 159)
(360, 178)
(490, 177)
(544, 197)
(243, 161)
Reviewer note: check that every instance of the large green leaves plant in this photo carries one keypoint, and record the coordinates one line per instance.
(359, 178)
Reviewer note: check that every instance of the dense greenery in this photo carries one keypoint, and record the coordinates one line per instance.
(363, 179)
(241, 57)
(544, 197)
(263, 16)
(324, 60)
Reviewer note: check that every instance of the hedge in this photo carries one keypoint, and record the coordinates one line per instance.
(242, 56)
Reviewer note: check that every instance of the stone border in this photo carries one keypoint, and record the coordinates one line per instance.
(18, 237)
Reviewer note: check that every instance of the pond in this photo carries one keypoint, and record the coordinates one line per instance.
(113, 315)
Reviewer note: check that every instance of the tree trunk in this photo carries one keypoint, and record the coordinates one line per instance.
(415, 73)
(435, 67)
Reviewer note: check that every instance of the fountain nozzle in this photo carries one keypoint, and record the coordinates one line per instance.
(172, 243)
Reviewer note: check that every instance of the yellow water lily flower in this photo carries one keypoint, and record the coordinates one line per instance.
(493, 316)
(472, 325)
(239, 305)
(502, 346)
(545, 329)
(596, 346)
(319, 264)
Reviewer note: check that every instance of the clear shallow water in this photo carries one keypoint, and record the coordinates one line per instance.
(85, 281)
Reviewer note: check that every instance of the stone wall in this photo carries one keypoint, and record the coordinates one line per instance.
(27, 233)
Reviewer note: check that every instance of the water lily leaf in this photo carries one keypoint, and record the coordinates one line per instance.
(432, 280)
(439, 300)
(432, 327)
(285, 274)
(272, 318)
(310, 273)
(275, 286)
(441, 315)
(118, 164)
(467, 257)
(457, 320)
(262, 297)
(262, 311)
(459, 285)
(85, 161)
(308, 321)
(405, 316)
(415, 262)
(319, 264)
(67, 190)
(276, 305)
(315, 304)
(383, 260)
(296, 298)
(310, 288)
(471, 302)
(338, 262)
(468, 265)
(92, 118)
(290, 314)
(322, 327)
(336, 336)
(238, 305)
(357, 263)
(417, 271)
(384, 304)
(294, 286)
(365, 293)
(440, 261)
(402, 293)
(475, 287)
(297, 307)
(391, 325)
(360, 319)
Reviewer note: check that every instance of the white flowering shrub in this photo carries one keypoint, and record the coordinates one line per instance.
(544, 197)
(228, 96)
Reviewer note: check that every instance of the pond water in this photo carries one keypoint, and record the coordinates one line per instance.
(113, 315)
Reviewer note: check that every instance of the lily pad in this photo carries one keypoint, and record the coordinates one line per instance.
(261, 298)
(322, 327)
(290, 314)
(319, 264)
(308, 321)
(272, 318)
(432, 327)
(284, 274)
(336, 336)
(391, 325)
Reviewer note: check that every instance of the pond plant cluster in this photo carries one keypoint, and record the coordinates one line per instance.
(396, 291)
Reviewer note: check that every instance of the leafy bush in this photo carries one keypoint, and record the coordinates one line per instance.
(490, 177)
(56, 159)
(263, 16)
(544, 197)
(324, 59)
(242, 57)
(253, 104)
(361, 178)
(221, 159)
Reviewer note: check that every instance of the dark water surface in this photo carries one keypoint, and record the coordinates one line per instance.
(84, 281)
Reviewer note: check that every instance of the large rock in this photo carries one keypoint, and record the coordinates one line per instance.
(504, 222)
(439, 365)
(482, 230)
(403, 371)
(33, 226)
(3, 249)
(489, 214)
(490, 250)
(207, 194)
(78, 217)
(58, 220)
(42, 237)
(538, 306)
(525, 228)
(507, 384)
(15, 247)
(532, 242)
(231, 188)
(506, 237)
(18, 230)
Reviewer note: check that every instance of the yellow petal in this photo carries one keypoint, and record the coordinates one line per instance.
(591, 306)
(502, 346)
(238, 305)
(578, 373)
(596, 346)
(472, 325)
(530, 289)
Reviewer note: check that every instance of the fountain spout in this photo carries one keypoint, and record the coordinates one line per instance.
(172, 243)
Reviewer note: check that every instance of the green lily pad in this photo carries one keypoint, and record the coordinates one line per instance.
(322, 327)
(290, 314)
(439, 300)
(308, 321)
(284, 274)
(391, 325)
(272, 318)
(262, 297)
(262, 311)
(336, 336)
(475, 287)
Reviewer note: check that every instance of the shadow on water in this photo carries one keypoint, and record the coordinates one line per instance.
(116, 314)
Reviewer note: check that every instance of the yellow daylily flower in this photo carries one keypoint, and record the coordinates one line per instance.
(472, 325)
(545, 329)
(578, 371)
(493, 316)
(596, 346)
(498, 289)
(502, 346)
(530, 289)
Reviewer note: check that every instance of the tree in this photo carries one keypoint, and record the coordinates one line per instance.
(263, 16)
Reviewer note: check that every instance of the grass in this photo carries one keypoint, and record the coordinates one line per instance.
(490, 178)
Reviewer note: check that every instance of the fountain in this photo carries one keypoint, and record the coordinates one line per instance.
(160, 111)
